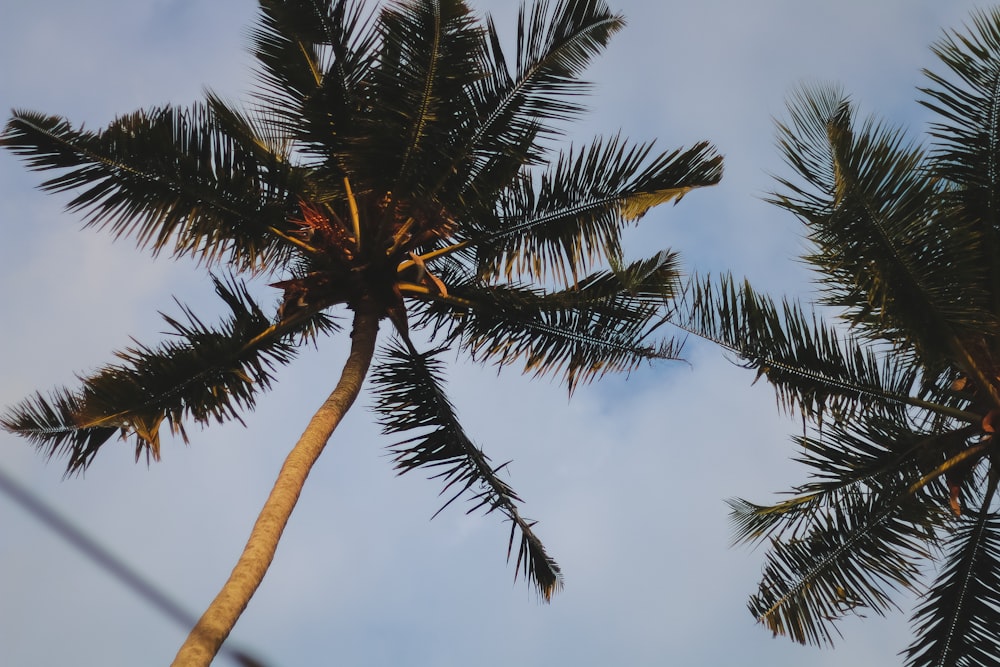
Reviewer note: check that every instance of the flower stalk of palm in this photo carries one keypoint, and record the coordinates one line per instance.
(905, 393)
(393, 165)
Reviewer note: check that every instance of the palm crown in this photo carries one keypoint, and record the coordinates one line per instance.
(905, 404)
(393, 164)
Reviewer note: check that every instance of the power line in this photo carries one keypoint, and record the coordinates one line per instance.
(111, 564)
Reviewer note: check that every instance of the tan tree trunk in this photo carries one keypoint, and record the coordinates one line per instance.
(207, 636)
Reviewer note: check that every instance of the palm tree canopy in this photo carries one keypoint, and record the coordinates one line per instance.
(394, 161)
(904, 390)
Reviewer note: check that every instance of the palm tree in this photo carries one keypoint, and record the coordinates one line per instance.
(394, 165)
(902, 391)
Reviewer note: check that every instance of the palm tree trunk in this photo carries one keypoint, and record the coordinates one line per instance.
(218, 620)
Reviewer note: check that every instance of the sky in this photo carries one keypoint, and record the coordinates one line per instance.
(628, 479)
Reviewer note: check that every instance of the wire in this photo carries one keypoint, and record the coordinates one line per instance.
(113, 565)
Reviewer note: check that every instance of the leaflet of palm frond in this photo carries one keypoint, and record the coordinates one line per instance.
(811, 365)
(955, 622)
(890, 256)
(168, 177)
(410, 399)
(852, 558)
(258, 132)
(575, 211)
(656, 278)
(202, 374)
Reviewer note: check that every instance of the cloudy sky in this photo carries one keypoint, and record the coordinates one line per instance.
(627, 480)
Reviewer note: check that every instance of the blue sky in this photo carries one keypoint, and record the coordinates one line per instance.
(627, 480)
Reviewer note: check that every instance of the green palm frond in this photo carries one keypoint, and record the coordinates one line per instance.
(578, 207)
(555, 43)
(869, 206)
(429, 58)
(314, 56)
(170, 178)
(965, 152)
(202, 374)
(580, 333)
(850, 460)
(956, 623)
(966, 134)
(812, 366)
(411, 400)
(879, 453)
(853, 557)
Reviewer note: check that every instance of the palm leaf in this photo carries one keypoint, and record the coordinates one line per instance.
(411, 399)
(811, 365)
(170, 178)
(554, 45)
(853, 557)
(576, 211)
(965, 150)
(581, 333)
(313, 56)
(202, 374)
(429, 57)
(955, 624)
(851, 460)
(869, 207)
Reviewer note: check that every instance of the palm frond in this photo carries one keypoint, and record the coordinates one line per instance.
(811, 366)
(848, 461)
(853, 557)
(429, 57)
(965, 152)
(512, 108)
(879, 497)
(580, 333)
(553, 48)
(903, 268)
(170, 178)
(202, 374)
(955, 624)
(968, 131)
(411, 399)
(313, 56)
(852, 460)
(580, 205)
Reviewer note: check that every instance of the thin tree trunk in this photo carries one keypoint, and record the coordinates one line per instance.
(211, 631)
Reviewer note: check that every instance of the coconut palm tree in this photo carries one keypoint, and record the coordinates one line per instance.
(903, 390)
(394, 165)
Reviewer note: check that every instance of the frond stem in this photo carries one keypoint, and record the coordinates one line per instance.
(963, 455)
(435, 295)
(434, 254)
(352, 204)
(294, 241)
